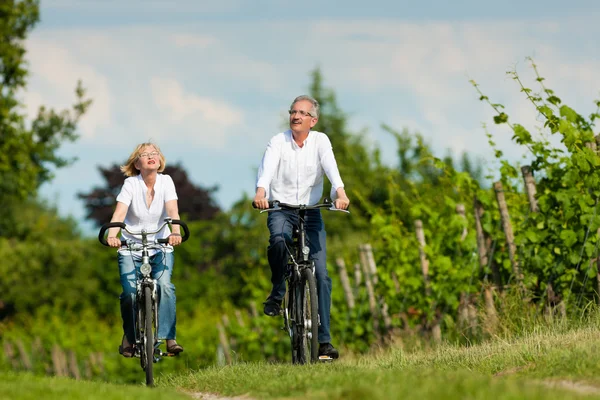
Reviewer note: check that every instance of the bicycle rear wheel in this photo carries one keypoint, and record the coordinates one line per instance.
(148, 350)
(307, 318)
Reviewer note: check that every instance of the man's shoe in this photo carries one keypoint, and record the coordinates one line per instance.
(272, 307)
(326, 349)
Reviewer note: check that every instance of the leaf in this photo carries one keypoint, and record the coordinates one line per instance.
(501, 118)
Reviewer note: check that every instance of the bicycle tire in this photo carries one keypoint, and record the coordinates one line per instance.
(290, 306)
(308, 317)
(148, 336)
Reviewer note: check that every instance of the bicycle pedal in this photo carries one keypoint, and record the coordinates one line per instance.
(170, 354)
(325, 359)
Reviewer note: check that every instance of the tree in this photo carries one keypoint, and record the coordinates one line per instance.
(195, 203)
(27, 154)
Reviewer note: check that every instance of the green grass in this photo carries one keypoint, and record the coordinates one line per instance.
(554, 362)
(25, 386)
(557, 364)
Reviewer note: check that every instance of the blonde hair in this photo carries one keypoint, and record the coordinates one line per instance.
(129, 168)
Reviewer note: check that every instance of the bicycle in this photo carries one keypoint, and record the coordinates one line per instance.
(147, 348)
(300, 310)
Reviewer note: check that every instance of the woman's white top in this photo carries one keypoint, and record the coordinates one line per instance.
(139, 215)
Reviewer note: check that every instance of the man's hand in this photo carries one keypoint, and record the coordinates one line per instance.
(174, 239)
(342, 202)
(260, 200)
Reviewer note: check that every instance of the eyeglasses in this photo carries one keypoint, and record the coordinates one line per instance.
(302, 113)
(153, 154)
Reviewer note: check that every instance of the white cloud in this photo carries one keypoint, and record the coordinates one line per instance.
(195, 112)
(184, 40)
(54, 75)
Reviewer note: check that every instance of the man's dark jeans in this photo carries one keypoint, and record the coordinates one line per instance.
(280, 225)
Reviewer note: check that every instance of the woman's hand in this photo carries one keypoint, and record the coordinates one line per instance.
(113, 241)
(174, 239)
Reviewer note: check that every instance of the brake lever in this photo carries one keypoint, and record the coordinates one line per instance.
(276, 208)
(334, 208)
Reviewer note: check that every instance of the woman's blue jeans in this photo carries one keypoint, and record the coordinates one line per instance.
(280, 225)
(162, 269)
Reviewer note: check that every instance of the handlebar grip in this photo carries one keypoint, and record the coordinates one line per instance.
(107, 226)
(272, 203)
(186, 231)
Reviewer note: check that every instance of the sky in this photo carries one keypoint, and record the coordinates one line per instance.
(211, 82)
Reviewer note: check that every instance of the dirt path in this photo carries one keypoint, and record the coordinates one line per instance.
(578, 387)
(212, 396)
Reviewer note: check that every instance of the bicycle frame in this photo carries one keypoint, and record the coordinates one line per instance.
(301, 323)
(147, 348)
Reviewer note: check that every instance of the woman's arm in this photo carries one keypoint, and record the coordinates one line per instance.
(118, 216)
(173, 213)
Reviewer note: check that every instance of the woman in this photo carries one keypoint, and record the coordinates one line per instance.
(146, 199)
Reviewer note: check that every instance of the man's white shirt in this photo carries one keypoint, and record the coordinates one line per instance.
(293, 174)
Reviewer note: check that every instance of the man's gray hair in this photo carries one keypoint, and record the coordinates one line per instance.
(314, 111)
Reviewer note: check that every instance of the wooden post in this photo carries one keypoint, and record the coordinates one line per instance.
(396, 282)
(357, 276)
(371, 263)
(508, 232)
(59, 361)
(9, 353)
(483, 246)
(466, 310)
(530, 187)
(598, 272)
(423, 256)
(463, 313)
(224, 343)
(460, 210)
(341, 265)
(253, 310)
(436, 331)
(490, 320)
(370, 293)
(239, 318)
(25, 360)
(490, 324)
(387, 321)
(592, 145)
(74, 365)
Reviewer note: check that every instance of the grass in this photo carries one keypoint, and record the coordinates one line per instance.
(556, 363)
(26, 386)
(551, 362)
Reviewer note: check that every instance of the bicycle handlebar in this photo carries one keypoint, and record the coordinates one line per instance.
(276, 205)
(108, 225)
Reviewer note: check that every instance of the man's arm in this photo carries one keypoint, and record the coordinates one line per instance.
(266, 172)
(333, 174)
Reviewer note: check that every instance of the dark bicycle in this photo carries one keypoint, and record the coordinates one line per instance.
(300, 310)
(147, 347)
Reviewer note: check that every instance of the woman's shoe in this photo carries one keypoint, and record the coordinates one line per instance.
(174, 348)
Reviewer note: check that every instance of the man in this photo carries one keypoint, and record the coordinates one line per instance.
(291, 172)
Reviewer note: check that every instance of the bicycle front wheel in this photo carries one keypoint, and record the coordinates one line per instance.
(148, 336)
(308, 318)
